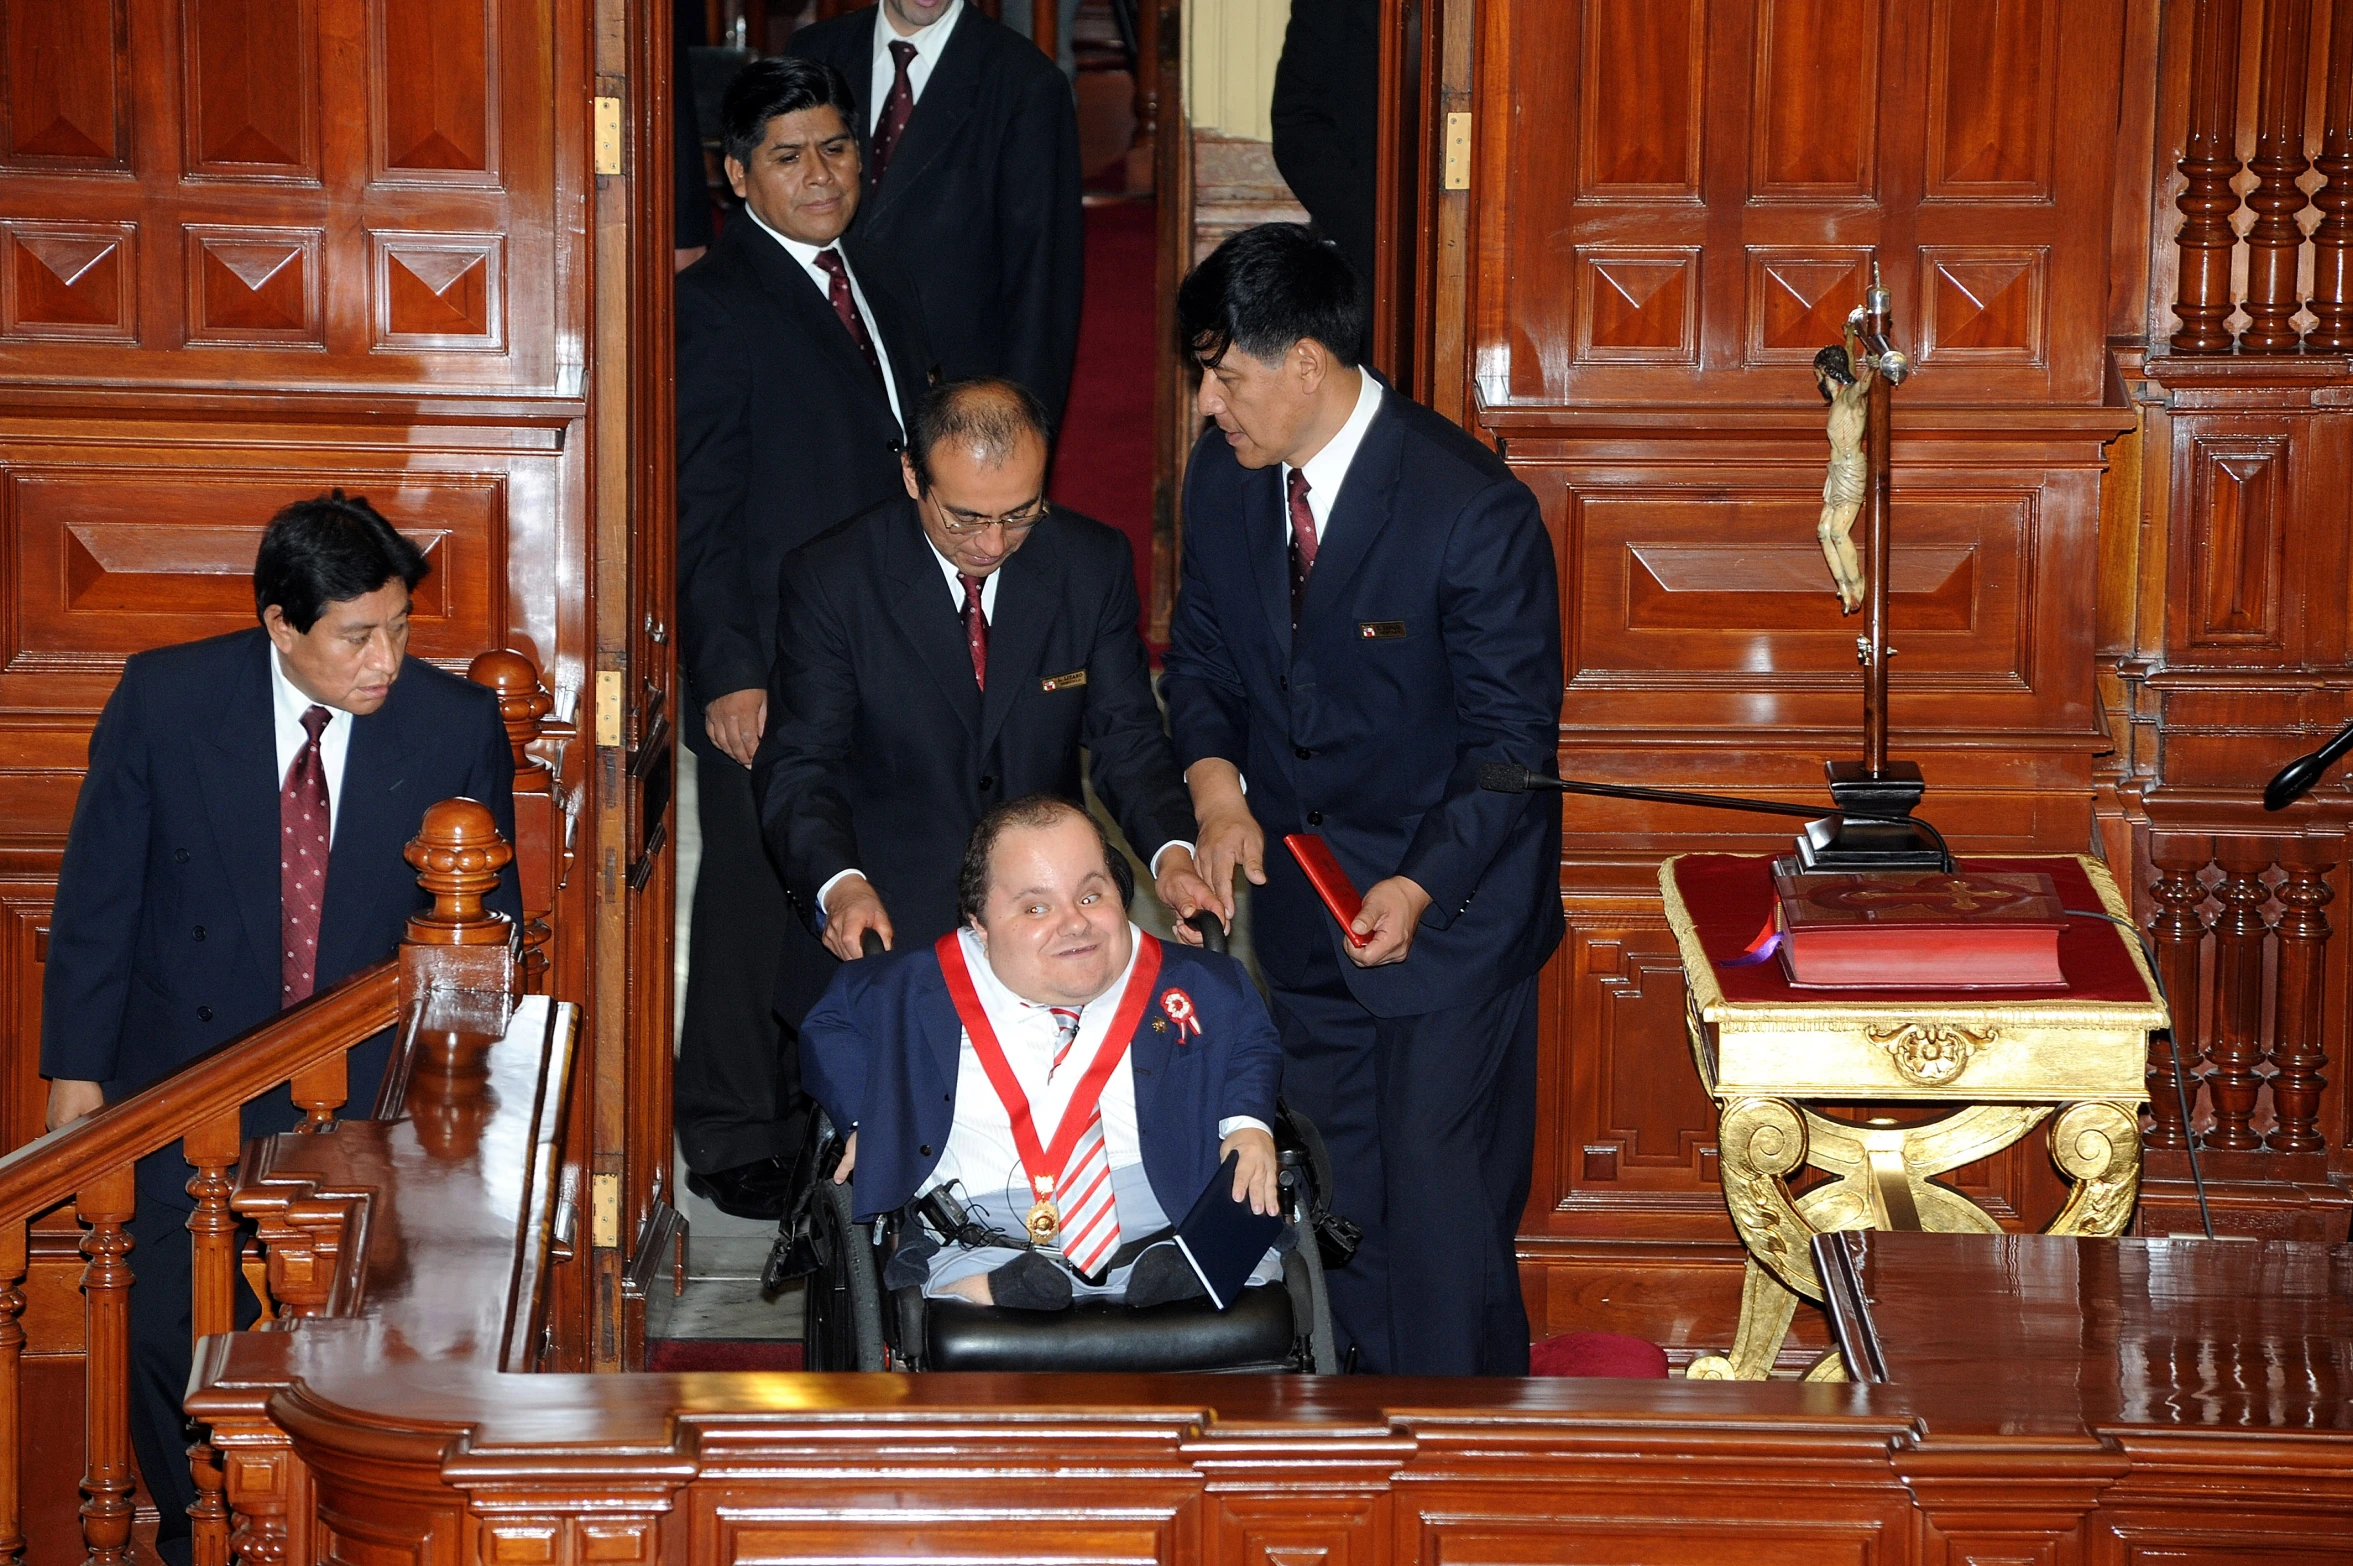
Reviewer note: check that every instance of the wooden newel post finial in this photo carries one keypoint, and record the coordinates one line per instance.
(522, 701)
(458, 854)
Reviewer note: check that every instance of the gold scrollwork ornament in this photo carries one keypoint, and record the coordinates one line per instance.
(1931, 1054)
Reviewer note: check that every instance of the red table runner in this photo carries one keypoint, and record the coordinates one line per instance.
(1730, 896)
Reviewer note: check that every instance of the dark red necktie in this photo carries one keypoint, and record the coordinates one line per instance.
(897, 109)
(845, 305)
(976, 629)
(302, 862)
(1302, 550)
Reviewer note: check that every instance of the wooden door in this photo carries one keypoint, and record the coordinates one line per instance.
(254, 249)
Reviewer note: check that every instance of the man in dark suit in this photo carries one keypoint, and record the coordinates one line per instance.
(1368, 614)
(799, 352)
(1326, 120)
(972, 182)
(1136, 1067)
(237, 844)
(942, 654)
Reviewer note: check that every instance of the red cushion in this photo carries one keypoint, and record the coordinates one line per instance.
(1598, 1354)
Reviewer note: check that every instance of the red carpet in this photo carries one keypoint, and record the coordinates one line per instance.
(1103, 463)
(667, 1354)
(1598, 1354)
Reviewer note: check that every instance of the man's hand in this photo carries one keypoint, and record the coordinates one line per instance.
(851, 909)
(849, 1164)
(1230, 835)
(1255, 1176)
(736, 721)
(1180, 886)
(1391, 912)
(70, 1101)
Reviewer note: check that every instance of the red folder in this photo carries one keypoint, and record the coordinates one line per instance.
(1331, 883)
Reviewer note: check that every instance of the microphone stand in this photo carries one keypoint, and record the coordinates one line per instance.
(1504, 778)
(2295, 779)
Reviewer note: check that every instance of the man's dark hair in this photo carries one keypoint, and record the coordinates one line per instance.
(984, 415)
(765, 89)
(1265, 289)
(1027, 813)
(319, 552)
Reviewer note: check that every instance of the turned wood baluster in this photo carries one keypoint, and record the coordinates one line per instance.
(2238, 994)
(523, 703)
(12, 1348)
(2276, 237)
(105, 1204)
(2303, 942)
(2210, 161)
(2332, 240)
(2177, 933)
(319, 1091)
(213, 1148)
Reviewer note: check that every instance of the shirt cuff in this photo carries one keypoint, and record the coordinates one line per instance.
(825, 891)
(1158, 853)
(1233, 1123)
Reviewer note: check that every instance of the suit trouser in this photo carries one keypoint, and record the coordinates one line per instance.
(1431, 1125)
(162, 1263)
(737, 1094)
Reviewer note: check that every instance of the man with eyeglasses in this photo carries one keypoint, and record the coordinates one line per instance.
(938, 656)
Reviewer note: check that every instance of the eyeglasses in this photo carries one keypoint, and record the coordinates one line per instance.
(964, 524)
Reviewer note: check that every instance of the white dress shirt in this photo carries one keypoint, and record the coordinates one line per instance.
(928, 42)
(980, 1150)
(807, 256)
(1329, 467)
(287, 705)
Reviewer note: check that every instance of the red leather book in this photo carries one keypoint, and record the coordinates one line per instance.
(1920, 930)
(1331, 883)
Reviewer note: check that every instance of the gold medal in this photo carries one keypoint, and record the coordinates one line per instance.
(1044, 1223)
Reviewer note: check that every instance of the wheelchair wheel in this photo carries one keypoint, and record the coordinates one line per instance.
(841, 1325)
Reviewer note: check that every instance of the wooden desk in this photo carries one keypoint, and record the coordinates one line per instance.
(2003, 1062)
(2025, 1334)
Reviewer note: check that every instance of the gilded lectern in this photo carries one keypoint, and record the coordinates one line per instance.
(2002, 1062)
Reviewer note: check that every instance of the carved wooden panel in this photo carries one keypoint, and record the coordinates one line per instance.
(1641, 74)
(68, 280)
(250, 92)
(431, 75)
(1078, 1527)
(254, 285)
(63, 100)
(2238, 494)
(439, 291)
(1768, 142)
(1816, 120)
(24, 940)
(1298, 1531)
(1603, 1537)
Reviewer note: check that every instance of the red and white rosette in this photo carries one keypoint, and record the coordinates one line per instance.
(1178, 1006)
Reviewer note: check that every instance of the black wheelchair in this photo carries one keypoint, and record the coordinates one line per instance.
(853, 1322)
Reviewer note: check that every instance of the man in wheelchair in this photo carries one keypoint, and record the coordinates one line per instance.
(1047, 1087)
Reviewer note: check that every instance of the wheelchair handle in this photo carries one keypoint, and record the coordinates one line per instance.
(1213, 934)
(870, 945)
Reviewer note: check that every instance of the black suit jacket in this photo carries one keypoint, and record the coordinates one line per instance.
(1429, 645)
(1326, 120)
(164, 942)
(881, 750)
(980, 204)
(783, 431)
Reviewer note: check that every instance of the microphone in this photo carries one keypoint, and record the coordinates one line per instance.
(1504, 777)
(2292, 781)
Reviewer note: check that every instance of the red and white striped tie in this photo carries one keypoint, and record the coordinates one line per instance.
(1090, 1219)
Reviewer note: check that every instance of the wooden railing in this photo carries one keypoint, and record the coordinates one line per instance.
(455, 946)
(2296, 129)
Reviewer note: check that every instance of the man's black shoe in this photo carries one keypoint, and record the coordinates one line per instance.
(755, 1190)
(1162, 1275)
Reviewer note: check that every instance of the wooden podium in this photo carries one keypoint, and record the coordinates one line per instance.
(2003, 1061)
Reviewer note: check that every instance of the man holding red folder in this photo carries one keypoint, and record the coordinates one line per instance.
(1368, 614)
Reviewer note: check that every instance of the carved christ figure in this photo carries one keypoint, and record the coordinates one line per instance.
(1846, 388)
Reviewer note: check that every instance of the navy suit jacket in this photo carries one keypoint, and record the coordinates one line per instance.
(881, 751)
(881, 1048)
(1429, 645)
(165, 938)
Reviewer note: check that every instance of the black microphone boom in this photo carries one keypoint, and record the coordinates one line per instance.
(2293, 780)
(1502, 777)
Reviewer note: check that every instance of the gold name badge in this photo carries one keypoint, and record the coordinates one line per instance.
(1063, 682)
(1380, 630)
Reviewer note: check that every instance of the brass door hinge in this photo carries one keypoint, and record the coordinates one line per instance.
(608, 707)
(604, 1212)
(1458, 152)
(608, 135)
